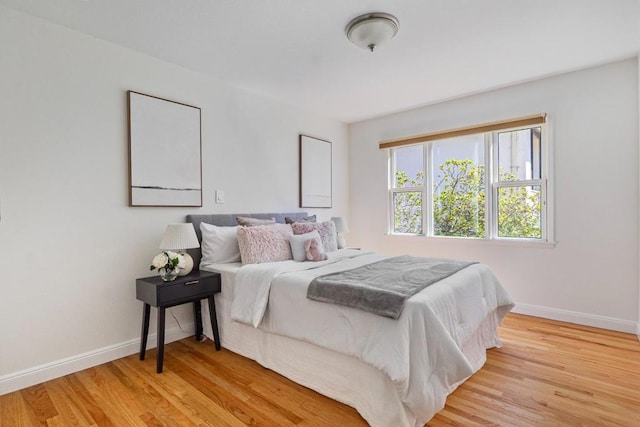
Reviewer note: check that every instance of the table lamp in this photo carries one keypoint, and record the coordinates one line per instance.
(341, 227)
(179, 238)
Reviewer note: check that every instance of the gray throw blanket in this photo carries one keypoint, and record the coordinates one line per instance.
(382, 287)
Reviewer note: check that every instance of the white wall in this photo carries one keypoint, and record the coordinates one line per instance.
(70, 247)
(591, 275)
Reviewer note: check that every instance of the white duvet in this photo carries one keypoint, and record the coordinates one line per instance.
(422, 352)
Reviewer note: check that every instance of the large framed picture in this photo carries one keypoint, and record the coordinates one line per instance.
(165, 167)
(315, 172)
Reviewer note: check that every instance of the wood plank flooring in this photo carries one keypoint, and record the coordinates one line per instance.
(547, 374)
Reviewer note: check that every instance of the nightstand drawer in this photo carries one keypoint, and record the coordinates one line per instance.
(175, 293)
(153, 291)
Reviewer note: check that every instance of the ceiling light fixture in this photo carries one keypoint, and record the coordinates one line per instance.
(372, 30)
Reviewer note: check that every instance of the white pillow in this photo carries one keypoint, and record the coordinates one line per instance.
(219, 244)
(297, 244)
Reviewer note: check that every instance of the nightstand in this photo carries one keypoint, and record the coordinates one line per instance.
(153, 291)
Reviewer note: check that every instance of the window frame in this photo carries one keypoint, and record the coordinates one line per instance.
(492, 187)
(396, 190)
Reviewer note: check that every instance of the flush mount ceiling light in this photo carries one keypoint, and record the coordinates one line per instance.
(372, 30)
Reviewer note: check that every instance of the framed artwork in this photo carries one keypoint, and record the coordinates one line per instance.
(315, 172)
(165, 167)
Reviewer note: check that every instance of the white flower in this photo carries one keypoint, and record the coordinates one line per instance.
(182, 262)
(159, 261)
(169, 260)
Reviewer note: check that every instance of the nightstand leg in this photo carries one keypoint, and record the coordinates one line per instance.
(145, 330)
(197, 314)
(214, 321)
(160, 339)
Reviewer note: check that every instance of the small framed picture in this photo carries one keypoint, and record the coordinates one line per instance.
(315, 172)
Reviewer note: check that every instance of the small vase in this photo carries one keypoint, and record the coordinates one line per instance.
(168, 275)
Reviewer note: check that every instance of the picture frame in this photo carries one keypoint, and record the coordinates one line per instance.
(165, 152)
(315, 169)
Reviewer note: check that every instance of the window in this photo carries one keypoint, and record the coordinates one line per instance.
(483, 182)
(458, 182)
(407, 189)
(519, 184)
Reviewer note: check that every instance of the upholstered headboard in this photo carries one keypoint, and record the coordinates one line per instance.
(229, 220)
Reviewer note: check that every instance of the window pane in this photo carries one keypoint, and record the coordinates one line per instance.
(408, 168)
(458, 187)
(519, 210)
(407, 212)
(519, 154)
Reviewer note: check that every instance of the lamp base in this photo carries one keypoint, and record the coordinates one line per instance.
(188, 264)
(341, 242)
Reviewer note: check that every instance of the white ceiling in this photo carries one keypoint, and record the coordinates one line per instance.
(296, 50)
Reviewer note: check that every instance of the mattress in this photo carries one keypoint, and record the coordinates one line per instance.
(290, 343)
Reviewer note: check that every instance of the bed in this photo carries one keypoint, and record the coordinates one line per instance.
(394, 372)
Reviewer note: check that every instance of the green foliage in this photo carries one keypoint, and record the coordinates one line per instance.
(459, 200)
(459, 203)
(519, 212)
(408, 205)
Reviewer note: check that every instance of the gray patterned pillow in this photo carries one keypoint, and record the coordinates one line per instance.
(290, 220)
(251, 222)
(327, 231)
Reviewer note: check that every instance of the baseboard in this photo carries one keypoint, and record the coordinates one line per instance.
(36, 375)
(604, 322)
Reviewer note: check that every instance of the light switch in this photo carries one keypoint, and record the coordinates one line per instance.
(219, 196)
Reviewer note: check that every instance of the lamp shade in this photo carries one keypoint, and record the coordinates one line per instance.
(179, 237)
(372, 29)
(341, 224)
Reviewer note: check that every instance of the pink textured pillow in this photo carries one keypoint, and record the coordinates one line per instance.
(327, 231)
(264, 243)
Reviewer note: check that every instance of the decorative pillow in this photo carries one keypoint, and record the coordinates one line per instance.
(297, 244)
(265, 243)
(252, 222)
(219, 244)
(327, 231)
(290, 220)
(313, 249)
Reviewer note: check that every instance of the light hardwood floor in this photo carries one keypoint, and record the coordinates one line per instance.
(547, 374)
